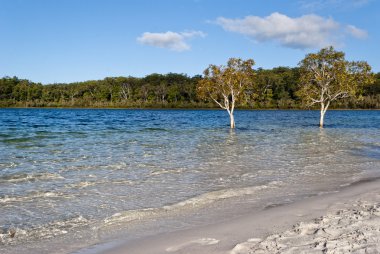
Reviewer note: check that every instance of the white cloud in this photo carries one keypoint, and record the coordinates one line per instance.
(170, 40)
(356, 32)
(308, 31)
(189, 34)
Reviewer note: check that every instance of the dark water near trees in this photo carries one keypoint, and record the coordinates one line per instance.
(65, 169)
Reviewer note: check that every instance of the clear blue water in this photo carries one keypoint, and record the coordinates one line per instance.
(65, 168)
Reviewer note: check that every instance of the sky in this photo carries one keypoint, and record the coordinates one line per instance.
(55, 41)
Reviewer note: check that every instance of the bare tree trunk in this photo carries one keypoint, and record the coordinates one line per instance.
(229, 107)
(322, 118)
(323, 112)
(231, 113)
(232, 110)
(232, 120)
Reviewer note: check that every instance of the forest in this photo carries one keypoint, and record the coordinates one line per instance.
(276, 90)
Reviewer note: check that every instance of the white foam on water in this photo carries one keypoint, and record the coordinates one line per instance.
(210, 197)
(131, 215)
(166, 171)
(19, 234)
(80, 185)
(85, 184)
(16, 178)
(198, 201)
(32, 196)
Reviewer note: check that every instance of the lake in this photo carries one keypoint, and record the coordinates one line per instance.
(88, 173)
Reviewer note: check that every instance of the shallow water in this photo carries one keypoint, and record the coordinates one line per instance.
(64, 169)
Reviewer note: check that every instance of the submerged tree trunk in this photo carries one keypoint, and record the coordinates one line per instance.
(230, 106)
(322, 118)
(323, 112)
(232, 119)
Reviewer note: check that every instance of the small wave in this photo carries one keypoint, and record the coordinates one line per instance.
(32, 196)
(81, 185)
(213, 196)
(132, 215)
(128, 182)
(11, 234)
(15, 178)
(198, 201)
(166, 171)
(86, 184)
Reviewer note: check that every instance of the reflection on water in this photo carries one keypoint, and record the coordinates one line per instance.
(64, 168)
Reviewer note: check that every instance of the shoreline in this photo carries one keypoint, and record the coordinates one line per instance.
(243, 234)
(195, 109)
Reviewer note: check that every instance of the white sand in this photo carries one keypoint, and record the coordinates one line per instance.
(352, 230)
(343, 222)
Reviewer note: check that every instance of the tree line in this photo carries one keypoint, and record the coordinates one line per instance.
(274, 89)
(324, 77)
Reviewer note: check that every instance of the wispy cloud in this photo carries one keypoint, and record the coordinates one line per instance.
(169, 40)
(316, 5)
(308, 31)
(356, 32)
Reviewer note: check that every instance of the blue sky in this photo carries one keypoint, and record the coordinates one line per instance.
(52, 41)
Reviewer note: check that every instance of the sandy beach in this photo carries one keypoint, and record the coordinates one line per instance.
(347, 221)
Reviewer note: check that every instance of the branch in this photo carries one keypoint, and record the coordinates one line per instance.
(217, 102)
(340, 95)
(226, 102)
(315, 101)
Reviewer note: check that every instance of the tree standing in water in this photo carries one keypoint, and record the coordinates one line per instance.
(326, 77)
(226, 84)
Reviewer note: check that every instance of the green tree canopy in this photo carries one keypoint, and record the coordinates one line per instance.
(225, 84)
(327, 76)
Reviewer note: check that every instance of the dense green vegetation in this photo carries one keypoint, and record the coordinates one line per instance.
(277, 89)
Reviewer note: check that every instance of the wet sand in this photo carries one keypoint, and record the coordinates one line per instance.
(341, 222)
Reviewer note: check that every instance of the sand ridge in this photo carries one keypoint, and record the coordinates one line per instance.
(352, 230)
